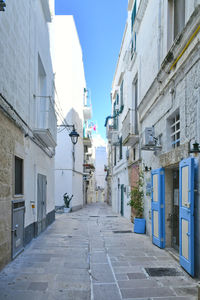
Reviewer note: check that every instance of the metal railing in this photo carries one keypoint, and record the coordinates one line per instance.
(129, 128)
(45, 115)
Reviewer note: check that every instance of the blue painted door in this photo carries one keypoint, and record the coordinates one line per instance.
(158, 207)
(186, 214)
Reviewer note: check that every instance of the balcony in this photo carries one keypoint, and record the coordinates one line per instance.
(87, 112)
(88, 164)
(45, 127)
(129, 131)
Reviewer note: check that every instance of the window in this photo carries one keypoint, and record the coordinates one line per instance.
(122, 93)
(135, 104)
(115, 122)
(120, 148)
(133, 44)
(133, 15)
(18, 176)
(115, 156)
(117, 99)
(179, 16)
(41, 99)
(176, 19)
(134, 154)
(175, 131)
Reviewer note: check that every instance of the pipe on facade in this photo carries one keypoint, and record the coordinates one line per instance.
(185, 48)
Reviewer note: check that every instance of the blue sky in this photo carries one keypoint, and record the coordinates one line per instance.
(100, 25)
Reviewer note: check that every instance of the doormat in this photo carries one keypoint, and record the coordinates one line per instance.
(158, 272)
(122, 231)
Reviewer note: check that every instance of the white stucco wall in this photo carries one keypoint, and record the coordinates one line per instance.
(70, 83)
(160, 103)
(100, 162)
(25, 36)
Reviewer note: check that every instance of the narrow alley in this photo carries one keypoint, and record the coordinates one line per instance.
(93, 254)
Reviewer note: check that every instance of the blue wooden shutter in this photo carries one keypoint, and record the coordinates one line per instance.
(133, 15)
(122, 94)
(158, 207)
(187, 169)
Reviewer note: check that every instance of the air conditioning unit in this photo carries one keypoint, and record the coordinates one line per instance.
(149, 141)
(149, 137)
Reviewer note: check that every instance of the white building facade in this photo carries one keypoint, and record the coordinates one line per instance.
(73, 109)
(155, 121)
(27, 126)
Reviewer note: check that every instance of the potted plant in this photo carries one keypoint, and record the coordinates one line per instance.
(136, 202)
(67, 201)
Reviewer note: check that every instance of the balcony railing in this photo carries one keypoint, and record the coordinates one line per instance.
(129, 129)
(45, 127)
(87, 112)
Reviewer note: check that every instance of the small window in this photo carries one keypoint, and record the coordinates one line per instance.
(18, 176)
(117, 99)
(179, 16)
(135, 104)
(134, 154)
(175, 131)
(115, 121)
(176, 19)
(115, 156)
(120, 149)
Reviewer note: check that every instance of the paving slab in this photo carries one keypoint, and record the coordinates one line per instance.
(106, 291)
(79, 257)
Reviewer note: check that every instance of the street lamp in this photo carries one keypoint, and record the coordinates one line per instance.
(73, 134)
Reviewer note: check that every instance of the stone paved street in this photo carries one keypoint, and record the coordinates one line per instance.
(80, 257)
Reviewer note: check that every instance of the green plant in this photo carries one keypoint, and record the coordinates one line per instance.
(67, 199)
(137, 196)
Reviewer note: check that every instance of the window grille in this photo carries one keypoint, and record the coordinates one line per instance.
(175, 131)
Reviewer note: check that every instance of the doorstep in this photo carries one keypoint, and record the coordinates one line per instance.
(173, 253)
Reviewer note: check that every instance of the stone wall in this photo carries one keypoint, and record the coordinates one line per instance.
(9, 135)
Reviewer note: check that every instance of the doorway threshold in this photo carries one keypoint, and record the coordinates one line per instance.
(173, 253)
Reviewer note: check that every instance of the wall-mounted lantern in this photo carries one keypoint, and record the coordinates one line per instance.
(195, 149)
(73, 135)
